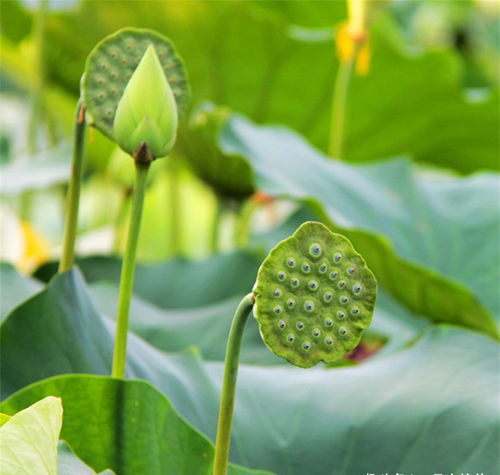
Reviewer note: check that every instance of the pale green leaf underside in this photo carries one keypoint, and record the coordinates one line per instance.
(28, 440)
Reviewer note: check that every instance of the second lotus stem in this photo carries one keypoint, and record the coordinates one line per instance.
(73, 196)
(233, 348)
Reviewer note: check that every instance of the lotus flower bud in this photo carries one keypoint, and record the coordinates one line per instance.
(146, 115)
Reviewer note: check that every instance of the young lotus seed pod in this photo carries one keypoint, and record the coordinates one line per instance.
(158, 104)
(325, 320)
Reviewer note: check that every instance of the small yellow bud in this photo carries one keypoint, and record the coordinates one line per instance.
(147, 111)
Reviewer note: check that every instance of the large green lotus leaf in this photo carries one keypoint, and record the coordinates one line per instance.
(423, 236)
(390, 413)
(29, 438)
(178, 282)
(126, 425)
(15, 288)
(59, 331)
(177, 329)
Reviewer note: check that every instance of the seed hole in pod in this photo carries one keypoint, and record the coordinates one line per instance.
(113, 75)
(100, 82)
(300, 325)
(295, 282)
(322, 268)
(281, 275)
(291, 262)
(290, 337)
(343, 299)
(342, 331)
(278, 309)
(277, 293)
(340, 314)
(327, 297)
(308, 306)
(306, 345)
(337, 257)
(328, 340)
(109, 112)
(124, 61)
(351, 270)
(129, 46)
(313, 285)
(354, 310)
(101, 95)
(315, 250)
(356, 288)
(333, 275)
(306, 268)
(282, 324)
(290, 303)
(328, 322)
(341, 284)
(104, 66)
(316, 333)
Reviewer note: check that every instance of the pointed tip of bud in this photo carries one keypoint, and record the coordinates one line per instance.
(147, 111)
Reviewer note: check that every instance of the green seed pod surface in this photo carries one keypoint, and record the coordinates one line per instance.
(110, 66)
(314, 296)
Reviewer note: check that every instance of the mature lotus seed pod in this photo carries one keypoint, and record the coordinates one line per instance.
(111, 64)
(326, 320)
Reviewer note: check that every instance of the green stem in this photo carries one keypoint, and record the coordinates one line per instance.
(127, 273)
(339, 100)
(175, 213)
(122, 211)
(216, 226)
(73, 197)
(229, 385)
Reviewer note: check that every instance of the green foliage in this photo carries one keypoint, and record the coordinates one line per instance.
(139, 430)
(399, 219)
(177, 283)
(15, 288)
(420, 391)
(428, 391)
(314, 296)
(29, 438)
(230, 175)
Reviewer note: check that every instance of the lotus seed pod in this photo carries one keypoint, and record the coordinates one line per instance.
(111, 65)
(318, 320)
